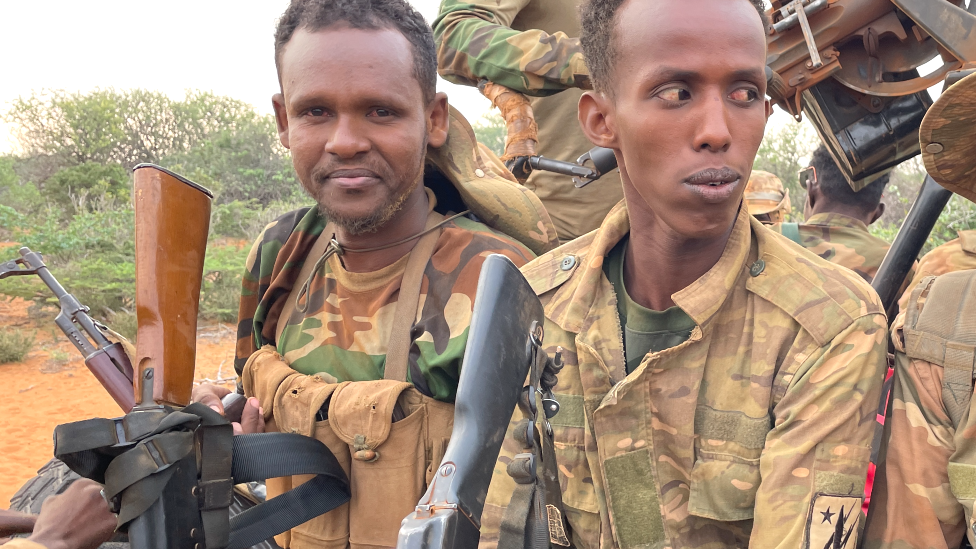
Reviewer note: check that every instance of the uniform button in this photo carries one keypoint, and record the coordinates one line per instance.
(757, 268)
(479, 172)
(568, 263)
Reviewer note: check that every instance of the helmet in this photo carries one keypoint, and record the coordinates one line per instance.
(765, 195)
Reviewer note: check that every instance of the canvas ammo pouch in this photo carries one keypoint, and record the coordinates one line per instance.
(388, 437)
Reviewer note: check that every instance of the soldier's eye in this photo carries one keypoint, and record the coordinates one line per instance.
(744, 95)
(381, 112)
(316, 111)
(674, 94)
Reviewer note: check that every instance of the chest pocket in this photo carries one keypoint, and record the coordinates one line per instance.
(569, 436)
(725, 477)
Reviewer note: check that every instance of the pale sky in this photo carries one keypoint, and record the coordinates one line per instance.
(219, 45)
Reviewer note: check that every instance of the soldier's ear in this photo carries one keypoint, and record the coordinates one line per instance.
(281, 118)
(438, 120)
(596, 119)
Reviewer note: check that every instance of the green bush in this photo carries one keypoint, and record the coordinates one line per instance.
(77, 187)
(236, 219)
(221, 291)
(15, 344)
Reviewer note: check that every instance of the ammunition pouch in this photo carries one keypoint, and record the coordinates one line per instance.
(387, 437)
(190, 460)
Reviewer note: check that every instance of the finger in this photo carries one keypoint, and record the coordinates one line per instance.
(237, 428)
(251, 419)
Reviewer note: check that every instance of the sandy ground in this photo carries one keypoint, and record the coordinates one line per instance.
(53, 386)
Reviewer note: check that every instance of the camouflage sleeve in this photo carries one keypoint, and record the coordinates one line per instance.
(914, 504)
(250, 296)
(475, 41)
(816, 456)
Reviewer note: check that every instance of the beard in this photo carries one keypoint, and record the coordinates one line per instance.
(387, 210)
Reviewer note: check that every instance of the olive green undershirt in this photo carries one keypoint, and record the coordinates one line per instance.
(645, 330)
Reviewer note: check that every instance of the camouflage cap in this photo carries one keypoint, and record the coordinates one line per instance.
(765, 194)
(948, 138)
(490, 191)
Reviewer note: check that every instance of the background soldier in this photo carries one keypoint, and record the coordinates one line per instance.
(531, 46)
(958, 254)
(837, 218)
(720, 383)
(766, 198)
(925, 488)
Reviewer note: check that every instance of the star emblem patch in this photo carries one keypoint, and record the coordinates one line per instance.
(832, 523)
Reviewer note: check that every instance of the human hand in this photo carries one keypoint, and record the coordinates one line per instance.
(210, 395)
(252, 418)
(78, 518)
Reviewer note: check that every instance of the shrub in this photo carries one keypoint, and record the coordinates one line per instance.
(221, 292)
(89, 180)
(15, 344)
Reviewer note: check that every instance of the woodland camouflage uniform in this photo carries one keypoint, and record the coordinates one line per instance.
(741, 435)
(842, 240)
(926, 482)
(350, 344)
(531, 46)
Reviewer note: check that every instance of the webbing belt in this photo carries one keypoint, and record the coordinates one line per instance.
(132, 456)
(943, 331)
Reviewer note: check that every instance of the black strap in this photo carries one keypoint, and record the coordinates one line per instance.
(133, 456)
(259, 457)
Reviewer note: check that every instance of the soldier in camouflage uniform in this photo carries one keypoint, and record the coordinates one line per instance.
(837, 219)
(958, 254)
(721, 393)
(765, 198)
(393, 170)
(530, 46)
(925, 489)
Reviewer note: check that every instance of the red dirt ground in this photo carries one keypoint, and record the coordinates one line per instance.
(42, 391)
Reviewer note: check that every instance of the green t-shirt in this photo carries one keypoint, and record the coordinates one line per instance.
(645, 330)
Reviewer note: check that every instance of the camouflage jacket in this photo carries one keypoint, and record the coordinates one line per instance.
(357, 307)
(925, 487)
(531, 46)
(842, 240)
(739, 436)
(956, 255)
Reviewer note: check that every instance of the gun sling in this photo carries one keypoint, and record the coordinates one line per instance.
(136, 456)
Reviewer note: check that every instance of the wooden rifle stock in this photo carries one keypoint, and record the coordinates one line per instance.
(172, 223)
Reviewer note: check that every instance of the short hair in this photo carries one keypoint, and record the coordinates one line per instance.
(315, 15)
(835, 187)
(598, 23)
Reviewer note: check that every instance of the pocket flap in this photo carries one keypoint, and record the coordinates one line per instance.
(298, 400)
(723, 487)
(365, 409)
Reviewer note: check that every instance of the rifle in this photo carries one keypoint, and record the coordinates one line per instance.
(169, 472)
(504, 341)
(106, 360)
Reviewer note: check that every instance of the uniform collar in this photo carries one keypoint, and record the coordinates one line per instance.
(588, 286)
(836, 220)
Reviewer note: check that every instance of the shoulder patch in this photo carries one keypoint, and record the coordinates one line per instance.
(552, 269)
(832, 522)
(822, 297)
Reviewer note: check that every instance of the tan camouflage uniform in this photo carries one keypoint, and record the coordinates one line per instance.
(844, 241)
(531, 46)
(956, 255)
(765, 195)
(926, 486)
(755, 431)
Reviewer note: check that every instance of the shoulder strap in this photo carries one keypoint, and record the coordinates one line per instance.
(398, 351)
(940, 328)
(792, 231)
(321, 243)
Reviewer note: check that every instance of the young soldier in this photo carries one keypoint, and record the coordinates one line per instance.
(837, 219)
(925, 488)
(531, 46)
(720, 384)
(374, 286)
(765, 198)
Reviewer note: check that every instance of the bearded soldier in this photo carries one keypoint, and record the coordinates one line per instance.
(720, 383)
(531, 46)
(354, 314)
(925, 488)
